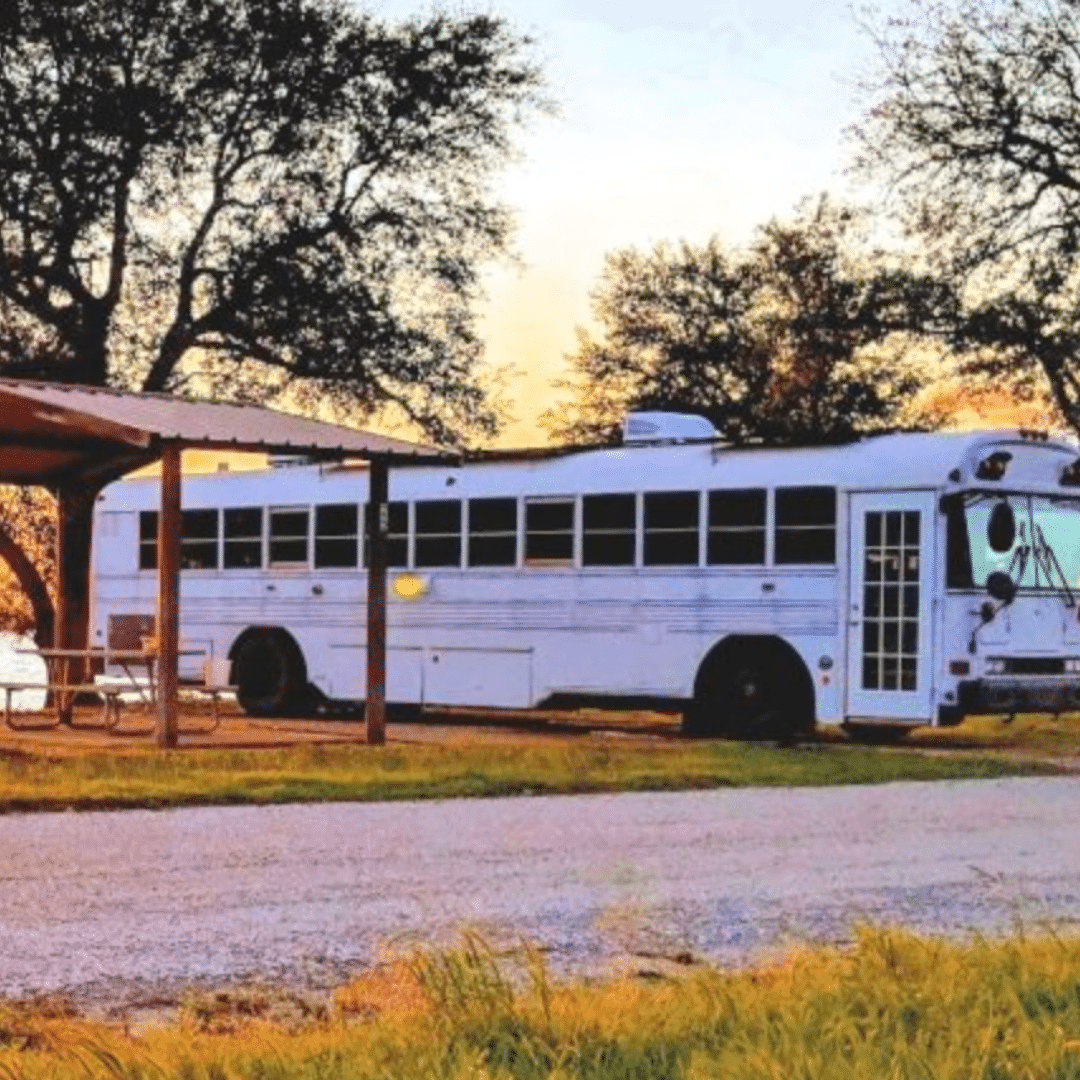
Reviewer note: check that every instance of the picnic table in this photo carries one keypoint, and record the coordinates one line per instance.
(138, 668)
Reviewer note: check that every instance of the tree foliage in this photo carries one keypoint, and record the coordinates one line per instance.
(802, 337)
(247, 199)
(27, 547)
(974, 120)
(253, 196)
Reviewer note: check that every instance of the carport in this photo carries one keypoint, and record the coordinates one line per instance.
(75, 440)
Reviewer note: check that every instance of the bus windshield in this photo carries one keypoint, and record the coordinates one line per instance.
(1039, 550)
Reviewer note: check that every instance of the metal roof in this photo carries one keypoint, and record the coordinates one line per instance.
(53, 433)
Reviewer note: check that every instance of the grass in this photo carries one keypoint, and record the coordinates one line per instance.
(1035, 733)
(150, 778)
(893, 1005)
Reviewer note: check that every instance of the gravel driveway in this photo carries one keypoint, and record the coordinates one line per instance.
(117, 907)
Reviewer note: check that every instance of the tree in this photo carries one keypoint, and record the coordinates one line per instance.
(974, 120)
(255, 198)
(27, 546)
(796, 339)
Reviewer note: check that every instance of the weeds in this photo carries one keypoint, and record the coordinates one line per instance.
(893, 1005)
(225, 1012)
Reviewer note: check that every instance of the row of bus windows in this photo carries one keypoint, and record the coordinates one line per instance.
(485, 532)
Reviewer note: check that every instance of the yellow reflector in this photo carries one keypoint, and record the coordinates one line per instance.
(409, 585)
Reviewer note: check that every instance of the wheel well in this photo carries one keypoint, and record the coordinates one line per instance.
(775, 647)
(279, 634)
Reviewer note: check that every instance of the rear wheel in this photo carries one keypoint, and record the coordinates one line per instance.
(752, 690)
(269, 674)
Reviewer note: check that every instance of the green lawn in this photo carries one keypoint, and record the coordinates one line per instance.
(306, 773)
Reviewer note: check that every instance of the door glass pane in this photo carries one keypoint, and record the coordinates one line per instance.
(890, 637)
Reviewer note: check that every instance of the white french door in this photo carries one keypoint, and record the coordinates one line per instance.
(890, 668)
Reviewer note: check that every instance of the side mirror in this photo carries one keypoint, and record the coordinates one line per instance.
(1001, 587)
(1001, 528)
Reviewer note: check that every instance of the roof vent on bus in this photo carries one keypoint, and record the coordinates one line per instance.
(650, 427)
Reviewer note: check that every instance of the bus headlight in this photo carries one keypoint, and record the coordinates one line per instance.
(995, 666)
(1072, 666)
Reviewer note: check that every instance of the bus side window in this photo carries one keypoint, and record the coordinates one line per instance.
(288, 536)
(671, 528)
(549, 532)
(493, 532)
(806, 525)
(199, 540)
(242, 537)
(397, 534)
(337, 532)
(438, 532)
(736, 527)
(148, 530)
(608, 530)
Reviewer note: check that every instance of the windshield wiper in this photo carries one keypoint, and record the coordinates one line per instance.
(1047, 558)
(1018, 562)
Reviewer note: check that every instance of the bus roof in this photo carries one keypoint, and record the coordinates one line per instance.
(923, 460)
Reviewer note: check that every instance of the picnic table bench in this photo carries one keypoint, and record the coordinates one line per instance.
(110, 688)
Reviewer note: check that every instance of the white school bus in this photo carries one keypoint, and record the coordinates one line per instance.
(900, 580)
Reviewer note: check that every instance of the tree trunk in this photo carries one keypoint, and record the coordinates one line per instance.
(33, 586)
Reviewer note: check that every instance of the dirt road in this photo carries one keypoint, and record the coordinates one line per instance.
(121, 906)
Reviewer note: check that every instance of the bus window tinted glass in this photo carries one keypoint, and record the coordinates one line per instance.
(438, 532)
(736, 528)
(199, 540)
(492, 532)
(397, 535)
(609, 530)
(288, 536)
(148, 529)
(242, 539)
(549, 532)
(671, 528)
(806, 525)
(337, 535)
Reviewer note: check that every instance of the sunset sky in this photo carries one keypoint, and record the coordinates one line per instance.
(677, 120)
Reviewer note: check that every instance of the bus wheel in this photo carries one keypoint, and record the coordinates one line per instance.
(269, 674)
(753, 689)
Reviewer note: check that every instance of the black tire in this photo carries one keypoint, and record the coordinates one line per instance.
(269, 674)
(752, 690)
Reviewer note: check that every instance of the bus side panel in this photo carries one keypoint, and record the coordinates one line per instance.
(344, 673)
(501, 678)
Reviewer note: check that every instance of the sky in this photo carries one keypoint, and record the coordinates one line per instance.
(677, 119)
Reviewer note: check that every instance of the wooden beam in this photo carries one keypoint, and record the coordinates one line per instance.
(168, 613)
(74, 537)
(377, 525)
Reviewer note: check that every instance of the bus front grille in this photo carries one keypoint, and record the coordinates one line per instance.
(1034, 665)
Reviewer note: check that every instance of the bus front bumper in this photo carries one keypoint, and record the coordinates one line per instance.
(1019, 695)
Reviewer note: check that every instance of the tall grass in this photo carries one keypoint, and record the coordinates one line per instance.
(150, 778)
(894, 1005)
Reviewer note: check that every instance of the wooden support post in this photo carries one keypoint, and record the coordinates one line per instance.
(377, 525)
(168, 614)
(74, 535)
